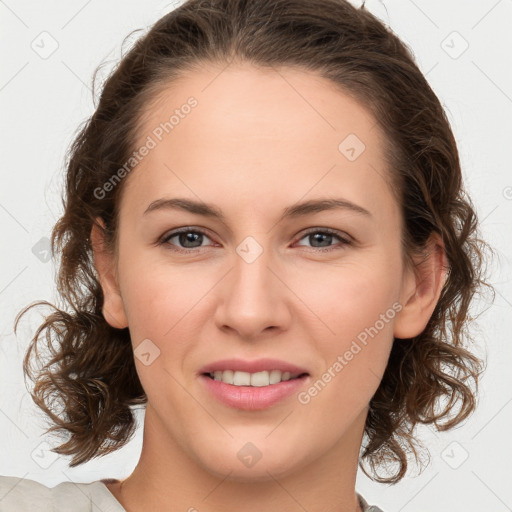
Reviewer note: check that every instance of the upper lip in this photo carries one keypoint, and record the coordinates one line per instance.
(257, 365)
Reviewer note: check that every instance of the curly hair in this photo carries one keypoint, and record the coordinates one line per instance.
(430, 379)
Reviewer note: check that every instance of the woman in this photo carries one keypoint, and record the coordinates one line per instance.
(266, 240)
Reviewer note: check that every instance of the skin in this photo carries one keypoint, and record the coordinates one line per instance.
(259, 141)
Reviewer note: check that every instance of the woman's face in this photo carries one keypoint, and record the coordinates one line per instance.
(263, 273)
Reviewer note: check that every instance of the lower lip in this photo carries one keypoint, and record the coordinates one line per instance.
(252, 398)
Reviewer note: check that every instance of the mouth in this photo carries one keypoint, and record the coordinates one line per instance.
(253, 385)
(257, 379)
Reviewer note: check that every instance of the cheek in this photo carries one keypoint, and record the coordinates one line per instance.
(350, 297)
(355, 306)
(159, 301)
(156, 294)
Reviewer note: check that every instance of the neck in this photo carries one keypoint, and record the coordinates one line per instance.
(168, 478)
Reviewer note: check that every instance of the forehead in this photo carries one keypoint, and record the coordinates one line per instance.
(255, 132)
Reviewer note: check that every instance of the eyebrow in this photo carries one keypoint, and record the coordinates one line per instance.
(297, 210)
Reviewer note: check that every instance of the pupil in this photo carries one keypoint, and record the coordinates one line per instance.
(326, 237)
(188, 237)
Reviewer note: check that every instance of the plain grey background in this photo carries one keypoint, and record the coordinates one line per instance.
(49, 51)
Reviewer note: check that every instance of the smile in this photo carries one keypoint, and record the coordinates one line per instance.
(258, 379)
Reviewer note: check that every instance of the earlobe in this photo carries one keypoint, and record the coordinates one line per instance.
(113, 307)
(421, 290)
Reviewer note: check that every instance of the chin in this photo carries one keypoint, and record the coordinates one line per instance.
(259, 461)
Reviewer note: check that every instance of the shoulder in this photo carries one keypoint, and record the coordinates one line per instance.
(366, 507)
(24, 495)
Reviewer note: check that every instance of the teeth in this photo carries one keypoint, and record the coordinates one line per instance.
(242, 379)
(257, 379)
(274, 376)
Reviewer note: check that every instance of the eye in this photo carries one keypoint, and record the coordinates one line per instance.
(325, 237)
(190, 239)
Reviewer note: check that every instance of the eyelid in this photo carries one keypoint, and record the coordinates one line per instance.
(185, 229)
(343, 237)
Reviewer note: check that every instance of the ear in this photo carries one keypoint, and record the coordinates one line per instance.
(421, 290)
(113, 307)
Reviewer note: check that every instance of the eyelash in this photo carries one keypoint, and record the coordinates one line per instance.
(165, 239)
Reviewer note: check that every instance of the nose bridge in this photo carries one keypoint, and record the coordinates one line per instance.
(254, 298)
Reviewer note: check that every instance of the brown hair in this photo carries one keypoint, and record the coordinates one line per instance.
(90, 371)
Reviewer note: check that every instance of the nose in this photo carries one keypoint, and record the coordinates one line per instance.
(254, 300)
